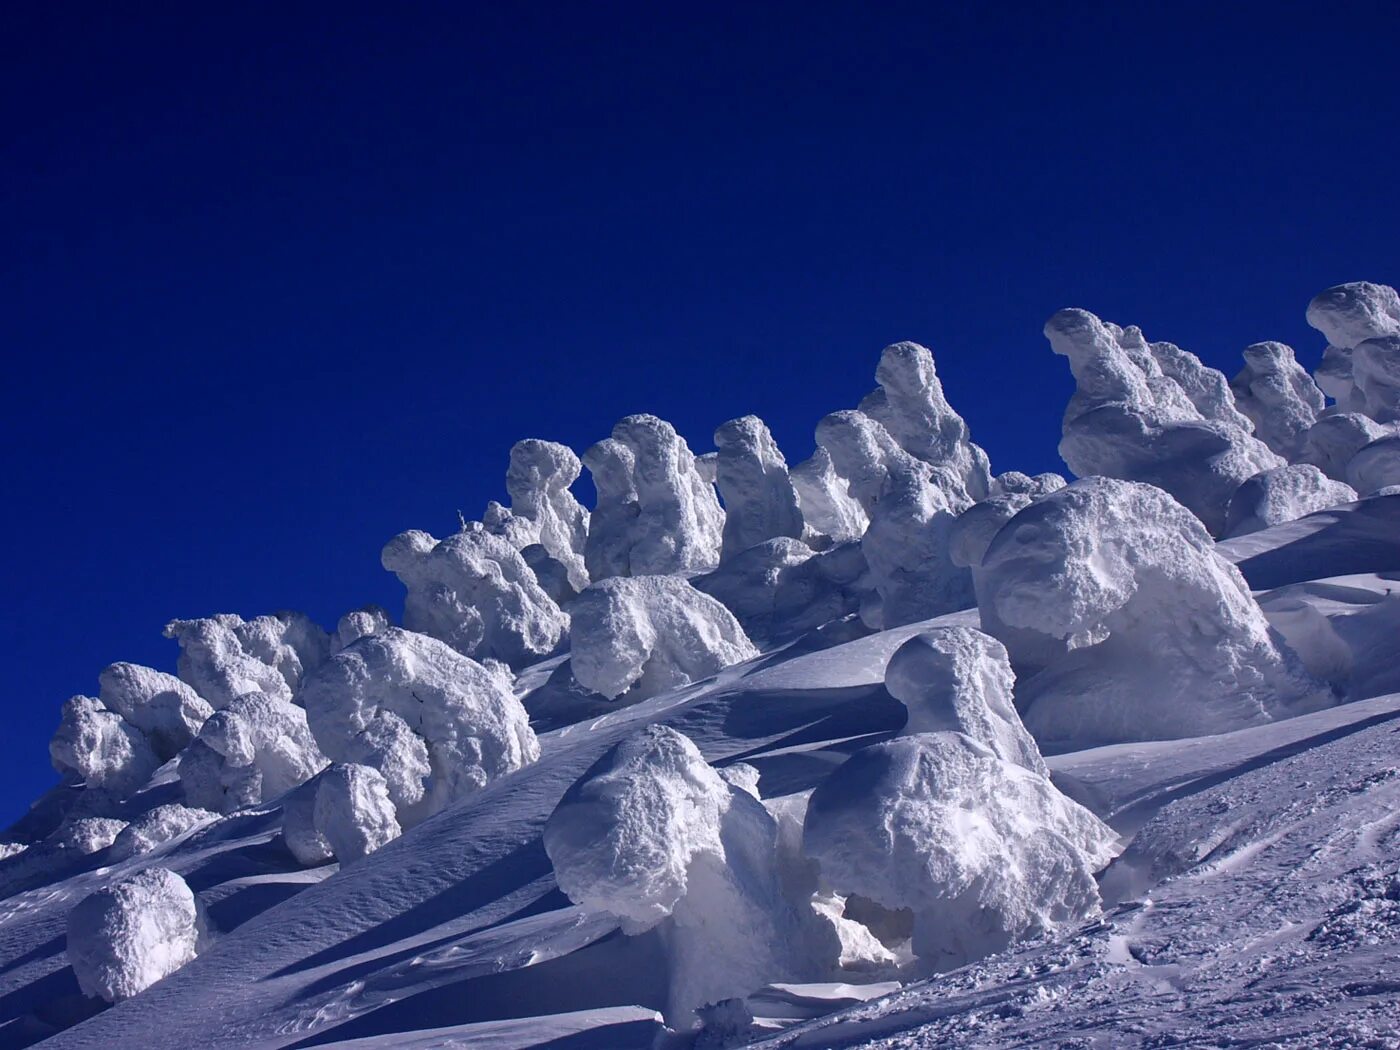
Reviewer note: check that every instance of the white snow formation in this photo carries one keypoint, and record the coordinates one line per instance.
(971, 535)
(959, 680)
(983, 851)
(538, 481)
(1376, 465)
(642, 635)
(1152, 412)
(88, 834)
(474, 591)
(828, 508)
(157, 827)
(222, 657)
(100, 748)
(436, 724)
(1278, 396)
(1125, 624)
(354, 625)
(1272, 497)
(353, 811)
(1360, 368)
(249, 752)
(161, 706)
(1334, 439)
(752, 476)
(125, 938)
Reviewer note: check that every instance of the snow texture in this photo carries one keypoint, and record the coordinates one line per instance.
(125, 938)
(752, 476)
(157, 827)
(436, 724)
(538, 481)
(828, 508)
(1375, 466)
(1334, 439)
(642, 635)
(354, 625)
(983, 851)
(1152, 412)
(353, 811)
(1278, 396)
(474, 591)
(1124, 623)
(100, 748)
(1360, 369)
(1272, 497)
(223, 657)
(249, 752)
(88, 835)
(161, 706)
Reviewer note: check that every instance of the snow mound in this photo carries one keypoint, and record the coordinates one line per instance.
(435, 723)
(158, 827)
(125, 938)
(1376, 466)
(1278, 396)
(100, 748)
(1125, 624)
(982, 851)
(1283, 494)
(752, 476)
(641, 635)
(1152, 412)
(538, 481)
(249, 752)
(353, 811)
(474, 591)
(959, 680)
(222, 657)
(1352, 317)
(161, 706)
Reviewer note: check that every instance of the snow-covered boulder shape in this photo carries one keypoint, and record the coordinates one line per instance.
(250, 752)
(652, 835)
(1360, 368)
(1278, 396)
(751, 473)
(1013, 482)
(1333, 440)
(87, 835)
(642, 635)
(538, 481)
(353, 811)
(828, 508)
(1283, 494)
(1125, 624)
(474, 591)
(972, 533)
(959, 680)
(435, 723)
(157, 827)
(909, 403)
(222, 657)
(125, 938)
(1375, 466)
(983, 851)
(100, 748)
(1152, 412)
(161, 706)
(354, 625)
(911, 518)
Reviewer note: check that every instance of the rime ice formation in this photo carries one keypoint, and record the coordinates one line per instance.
(249, 752)
(1333, 440)
(538, 481)
(1375, 466)
(125, 938)
(982, 850)
(89, 834)
(222, 657)
(353, 811)
(356, 624)
(1152, 412)
(906, 545)
(972, 533)
(100, 748)
(161, 706)
(1278, 396)
(1360, 368)
(828, 508)
(1125, 624)
(474, 591)
(959, 680)
(158, 827)
(435, 723)
(752, 476)
(910, 405)
(651, 834)
(1283, 494)
(641, 635)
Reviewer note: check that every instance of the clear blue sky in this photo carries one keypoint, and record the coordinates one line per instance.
(282, 280)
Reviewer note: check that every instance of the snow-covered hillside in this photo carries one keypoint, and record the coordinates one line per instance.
(879, 749)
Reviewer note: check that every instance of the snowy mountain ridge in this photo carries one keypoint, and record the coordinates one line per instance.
(880, 749)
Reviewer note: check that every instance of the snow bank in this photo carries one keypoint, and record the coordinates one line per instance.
(222, 657)
(1283, 494)
(1152, 412)
(642, 635)
(538, 481)
(247, 753)
(474, 591)
(125, 938)
(1360, 368)
(100, 748)
(752, 476)
(1125, 624)
(1278, 396)
(435, 723)
(960, 680)
(157, 827)
(983, 851)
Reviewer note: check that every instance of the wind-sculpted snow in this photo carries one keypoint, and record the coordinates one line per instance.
(911, 518)
(354, 625)
(959, 680)
(1283, 494)
(1375, 466)
(1360, 368)
(223, 657)
(161, 706)
(474, 591)
(353, 811)
(910, 404)
(249, 752)
(828, 508)
(100, 748)
(125, 938)
(983, 851)
(158, 827)
(538, 481)
(1278, 396)
(1152, 412)
(653, 835)
(752, 476)
(642, 635)
(435, 723)
(1124, 623)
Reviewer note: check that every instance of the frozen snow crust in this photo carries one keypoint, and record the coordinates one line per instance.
(879, 742)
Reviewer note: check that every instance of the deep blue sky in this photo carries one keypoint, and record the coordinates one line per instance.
(282, 280)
